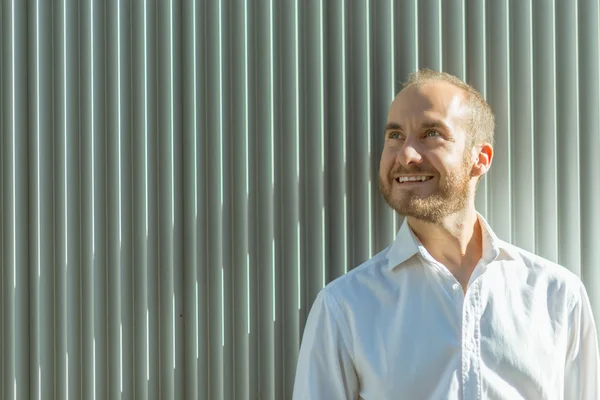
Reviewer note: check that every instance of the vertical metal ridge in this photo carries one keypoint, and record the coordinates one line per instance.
(2, 187)
(334, 188)
(88, 201)
(264, 208)
(236, 195)
(168, 190)
(204, 353)
(60, 168)
(152, 132)
(14, 300)
(96, 253)
(277, 165)
(383, 221)
(72, 203)
(140, 241)
(214, 200)
(34, 204)
(358, 138)
(229, 124)
(498, 96)
(190, 223)
(344, 141)
(567, 145)
(125, 151)
(176, 195)
(21, 217)
(115, 264)
(522, 141)
(287, 151)
(545, 132)
(368, 78)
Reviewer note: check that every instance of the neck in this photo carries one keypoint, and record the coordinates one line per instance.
(455, 241)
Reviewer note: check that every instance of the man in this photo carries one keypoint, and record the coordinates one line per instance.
(448, 310)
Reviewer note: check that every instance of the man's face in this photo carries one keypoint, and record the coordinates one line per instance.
(425, 139)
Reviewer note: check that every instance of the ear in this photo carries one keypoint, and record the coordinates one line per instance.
(482, 159)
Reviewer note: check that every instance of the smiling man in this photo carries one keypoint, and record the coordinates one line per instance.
(448, 310)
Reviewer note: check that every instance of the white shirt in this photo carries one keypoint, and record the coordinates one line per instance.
(400, 327)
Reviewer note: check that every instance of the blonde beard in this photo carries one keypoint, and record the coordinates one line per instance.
(451, 196)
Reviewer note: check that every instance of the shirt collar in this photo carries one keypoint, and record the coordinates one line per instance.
(407, 245)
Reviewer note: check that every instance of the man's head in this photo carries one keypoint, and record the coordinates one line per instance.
(439, 129)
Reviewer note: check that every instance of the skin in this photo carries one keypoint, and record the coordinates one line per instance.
(426, 135)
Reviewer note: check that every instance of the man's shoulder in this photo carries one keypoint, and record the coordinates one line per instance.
(369, 275)
(541, 267)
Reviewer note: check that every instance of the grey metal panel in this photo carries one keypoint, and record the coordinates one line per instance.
(186, 176)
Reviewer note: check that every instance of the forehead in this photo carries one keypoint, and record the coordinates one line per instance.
(432, 101)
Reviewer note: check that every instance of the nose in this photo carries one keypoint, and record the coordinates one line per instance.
(408, 155)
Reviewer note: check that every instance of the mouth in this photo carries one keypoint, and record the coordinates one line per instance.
(412, 180)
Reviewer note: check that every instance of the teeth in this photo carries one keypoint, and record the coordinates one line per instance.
(413, 178)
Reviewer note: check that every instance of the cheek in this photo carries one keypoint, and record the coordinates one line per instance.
(386, 163)
(444, 162)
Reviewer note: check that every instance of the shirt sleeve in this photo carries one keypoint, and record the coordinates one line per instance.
(325, 368)
(582, 369)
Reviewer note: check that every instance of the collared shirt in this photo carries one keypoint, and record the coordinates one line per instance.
(400, 327)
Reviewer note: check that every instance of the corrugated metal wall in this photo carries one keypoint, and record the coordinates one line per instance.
(179, 178)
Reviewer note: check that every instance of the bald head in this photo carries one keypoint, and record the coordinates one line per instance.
(479, 119)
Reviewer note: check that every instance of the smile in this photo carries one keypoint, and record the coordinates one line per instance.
(413, 179)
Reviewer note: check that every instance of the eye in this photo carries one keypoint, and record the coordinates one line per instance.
(432, 133)
(394, 135)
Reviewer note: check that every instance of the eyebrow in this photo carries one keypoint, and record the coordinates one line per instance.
(425, 125)
(435, 124)
(393, 125)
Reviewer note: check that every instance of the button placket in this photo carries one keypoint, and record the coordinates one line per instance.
(470, 374)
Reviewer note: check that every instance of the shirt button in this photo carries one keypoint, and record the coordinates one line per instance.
(456, 286)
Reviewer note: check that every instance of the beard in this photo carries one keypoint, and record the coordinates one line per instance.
(451, 195)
